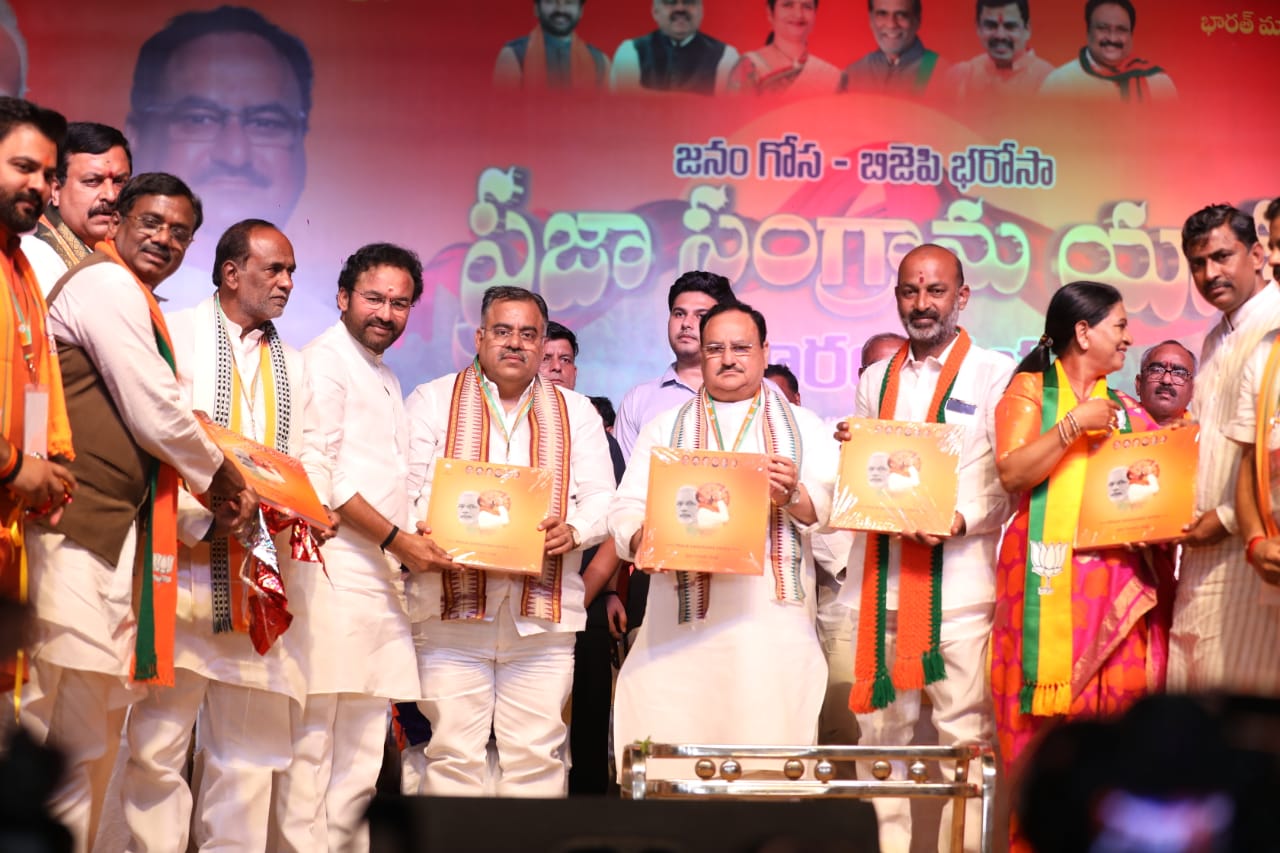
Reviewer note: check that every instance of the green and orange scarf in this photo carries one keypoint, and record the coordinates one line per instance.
(1131, 77)
(919, 657)
(156, 587)
(1047, 648)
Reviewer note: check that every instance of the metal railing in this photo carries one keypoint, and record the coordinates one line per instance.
(810, 772)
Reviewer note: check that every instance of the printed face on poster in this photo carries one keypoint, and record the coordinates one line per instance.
(706, 511)
(486, 516)
(898, 477)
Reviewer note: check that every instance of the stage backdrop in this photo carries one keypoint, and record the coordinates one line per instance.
(598, 200)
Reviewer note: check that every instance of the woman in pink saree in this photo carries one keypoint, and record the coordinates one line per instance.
(1076, 633)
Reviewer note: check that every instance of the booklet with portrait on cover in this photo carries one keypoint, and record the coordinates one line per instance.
(706, 511)
(898, 476)
(486, 515)
(1139, 487)
(280, 480)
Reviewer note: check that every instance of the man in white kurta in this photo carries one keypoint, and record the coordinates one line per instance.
(102, 316)
(751, 669)
(359, 650)
(242, 698)
(1260, 631)
(500, 655)
(930, 295)
(1216, 614)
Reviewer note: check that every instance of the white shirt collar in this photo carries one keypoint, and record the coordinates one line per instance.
(940, 358)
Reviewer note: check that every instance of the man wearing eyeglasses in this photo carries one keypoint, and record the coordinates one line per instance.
(938, 375)
(495, 650)
(221, 98)
(1166, 381)
(135, 437)
(358, 651)
(731, 658)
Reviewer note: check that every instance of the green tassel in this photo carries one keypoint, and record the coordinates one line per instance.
(882, 693)
(1025, 696)
(934, 669)
(146, 664)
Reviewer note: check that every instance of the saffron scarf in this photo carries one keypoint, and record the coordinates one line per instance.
(582, 67)
(157, 590)
(27, 357)
(1130, 77)
(1048, 600)
(919, 658)
(1268, 402)
(472, 412)
(695, 423)
(252, 597)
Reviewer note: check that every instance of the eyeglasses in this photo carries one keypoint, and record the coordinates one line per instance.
(505, 335)
(150, 225)
(377, 300)
(1157, 371)
(271, 127)
(717, 350)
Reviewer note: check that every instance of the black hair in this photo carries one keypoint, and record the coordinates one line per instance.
(1092, 5)
(374, 255)
(700, 281)
(505, 293)
(726, 307)
(773, 3)
(1090, 301)
(19, 111)
(915, 7)
(1206, 219)
(233, 245)
(1024, 8)
(148, 73)
(89, 137)
(560, 332)
(158, 183)
(605, 407)
(781, 371)
(1273, 209)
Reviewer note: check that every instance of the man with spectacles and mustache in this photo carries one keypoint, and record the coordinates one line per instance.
(93, 166)
(552, 56)
(1008, 68)
(676, 57)
(495, 650)
(731, 658)
(358, 650)
(1166, 381)
(222, 98)
(1105, 69)
(135, 438)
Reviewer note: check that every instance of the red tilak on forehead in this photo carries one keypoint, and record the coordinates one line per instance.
(920, 278)
(1000, 18)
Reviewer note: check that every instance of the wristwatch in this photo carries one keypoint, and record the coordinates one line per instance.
(794, 498)
(576, 536)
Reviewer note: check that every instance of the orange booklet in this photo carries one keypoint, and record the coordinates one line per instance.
(280, 480)
(898, 476)
(486, 515)
(706, 511)
(1139, 487)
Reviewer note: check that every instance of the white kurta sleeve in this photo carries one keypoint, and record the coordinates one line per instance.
(329, 401)
(591, 469)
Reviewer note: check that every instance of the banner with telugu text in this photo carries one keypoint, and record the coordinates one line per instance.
(597, 198)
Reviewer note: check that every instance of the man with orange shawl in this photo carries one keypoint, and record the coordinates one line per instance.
(136, 439)
(1105, 70)
(552, 56)
(29, 140)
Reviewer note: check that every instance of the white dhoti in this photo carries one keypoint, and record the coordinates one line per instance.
(82, 653)
(479, 673)
(961, 711)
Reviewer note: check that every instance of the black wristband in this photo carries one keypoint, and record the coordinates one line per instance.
(391, 537)
(17, 469)
(613, 592)
(208, 534)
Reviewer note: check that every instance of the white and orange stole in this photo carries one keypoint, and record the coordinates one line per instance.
(695, 426)
(472, 412)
